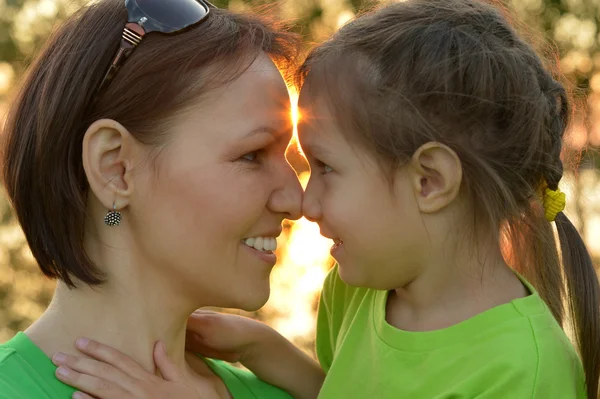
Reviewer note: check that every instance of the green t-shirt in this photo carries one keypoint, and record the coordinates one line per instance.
(516, 350)
(27, 373)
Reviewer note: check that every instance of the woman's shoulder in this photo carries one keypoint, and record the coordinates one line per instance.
(244, 384)
(14, 358)
(26, 372)
(6, 353)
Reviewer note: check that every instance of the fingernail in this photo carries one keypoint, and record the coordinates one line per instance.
(77, 395)
(64, 371)
(82, 342)
(59, 357)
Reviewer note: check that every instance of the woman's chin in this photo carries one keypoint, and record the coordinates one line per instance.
(253, 299)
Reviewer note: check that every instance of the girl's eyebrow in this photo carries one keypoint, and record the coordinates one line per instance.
(315, 150)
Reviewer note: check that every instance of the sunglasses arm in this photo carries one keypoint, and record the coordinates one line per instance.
(131, 37)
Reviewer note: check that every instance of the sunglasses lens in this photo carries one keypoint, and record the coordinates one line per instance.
(168, 16)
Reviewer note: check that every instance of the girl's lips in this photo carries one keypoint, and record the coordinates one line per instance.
(337, 245)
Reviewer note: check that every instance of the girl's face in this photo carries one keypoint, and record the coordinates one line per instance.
(207, 215)
(377, 229)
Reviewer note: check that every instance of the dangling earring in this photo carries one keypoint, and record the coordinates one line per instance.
(113, 218)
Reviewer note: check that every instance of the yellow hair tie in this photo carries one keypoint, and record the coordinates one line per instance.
(554, 203)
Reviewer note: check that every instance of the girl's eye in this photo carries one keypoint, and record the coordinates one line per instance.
(324, 167)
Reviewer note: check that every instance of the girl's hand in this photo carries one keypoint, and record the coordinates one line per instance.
(227, 337)
(258, 347)
(112, 374)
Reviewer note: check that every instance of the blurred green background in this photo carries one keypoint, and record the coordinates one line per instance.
(573, 25)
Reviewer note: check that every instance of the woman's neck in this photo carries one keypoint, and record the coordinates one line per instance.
(130, 318)
(135, 307)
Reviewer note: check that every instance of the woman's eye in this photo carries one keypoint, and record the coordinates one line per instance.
(250, 157)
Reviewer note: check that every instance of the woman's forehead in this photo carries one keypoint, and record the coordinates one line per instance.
(257, 99)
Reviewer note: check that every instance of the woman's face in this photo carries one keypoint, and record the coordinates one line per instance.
(221, 179)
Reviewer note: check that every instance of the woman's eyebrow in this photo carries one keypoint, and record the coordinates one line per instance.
(275, 134)
(266, 129)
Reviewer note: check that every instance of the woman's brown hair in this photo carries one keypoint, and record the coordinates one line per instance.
(456, 72)
(42, 155)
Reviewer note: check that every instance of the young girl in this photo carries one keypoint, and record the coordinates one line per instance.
(435, 155)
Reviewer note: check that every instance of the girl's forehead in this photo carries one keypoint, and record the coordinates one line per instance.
(315, 107)
(321, 136)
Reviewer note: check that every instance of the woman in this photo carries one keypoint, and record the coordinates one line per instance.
(149, 181)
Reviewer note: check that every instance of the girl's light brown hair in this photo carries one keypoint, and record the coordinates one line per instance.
(456, 72)
(42, 165)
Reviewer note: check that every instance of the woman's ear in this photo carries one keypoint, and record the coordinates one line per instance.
(436, 175)
(108, 157)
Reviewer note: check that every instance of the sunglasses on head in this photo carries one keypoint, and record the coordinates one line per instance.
(146, 16)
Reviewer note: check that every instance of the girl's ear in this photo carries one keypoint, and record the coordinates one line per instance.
(436, 174)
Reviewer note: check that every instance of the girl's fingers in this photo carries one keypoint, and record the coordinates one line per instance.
(167, 368)
(199, 322)
(101, 389)
(201, 312)
(81, 395)
(111, 356)
(95, 369)
(195, 344)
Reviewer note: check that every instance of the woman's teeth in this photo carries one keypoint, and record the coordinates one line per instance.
(264, 244)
